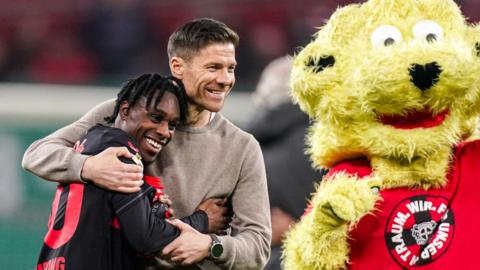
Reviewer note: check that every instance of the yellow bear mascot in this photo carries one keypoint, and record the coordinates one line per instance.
(393, 89)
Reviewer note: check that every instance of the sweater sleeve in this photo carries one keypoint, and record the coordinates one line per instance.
(248, 246)
(52, 157)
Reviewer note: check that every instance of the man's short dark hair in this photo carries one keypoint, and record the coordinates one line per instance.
(152, 86)
(195, 35)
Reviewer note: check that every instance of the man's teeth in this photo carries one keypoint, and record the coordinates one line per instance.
(153, 143)
(216, 92)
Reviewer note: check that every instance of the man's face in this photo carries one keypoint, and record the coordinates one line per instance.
(152, 127)
(210, 75)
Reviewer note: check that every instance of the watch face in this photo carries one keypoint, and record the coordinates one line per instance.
(217, 250)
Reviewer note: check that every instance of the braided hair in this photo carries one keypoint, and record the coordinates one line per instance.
(152, 86)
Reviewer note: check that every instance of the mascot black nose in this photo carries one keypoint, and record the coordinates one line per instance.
(425, 76)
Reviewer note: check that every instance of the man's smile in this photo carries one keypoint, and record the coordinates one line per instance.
(217, 93)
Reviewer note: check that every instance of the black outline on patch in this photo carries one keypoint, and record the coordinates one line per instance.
(385, 232)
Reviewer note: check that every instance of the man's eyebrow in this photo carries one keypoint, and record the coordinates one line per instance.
(220, 63)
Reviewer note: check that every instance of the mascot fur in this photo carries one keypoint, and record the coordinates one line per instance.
(393, 89)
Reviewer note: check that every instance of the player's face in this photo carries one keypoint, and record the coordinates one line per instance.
(152, 127)
(210, 75)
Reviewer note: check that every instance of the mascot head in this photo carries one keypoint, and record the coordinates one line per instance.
(396, 81)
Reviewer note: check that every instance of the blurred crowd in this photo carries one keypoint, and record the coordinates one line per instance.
(105, 41)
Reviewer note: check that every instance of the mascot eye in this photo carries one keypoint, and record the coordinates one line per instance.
(386, 35)
(319, 64)
(428, 30)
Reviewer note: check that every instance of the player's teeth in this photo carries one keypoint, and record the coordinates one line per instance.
(153, 143)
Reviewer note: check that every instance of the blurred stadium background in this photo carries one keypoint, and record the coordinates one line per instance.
(59, 58)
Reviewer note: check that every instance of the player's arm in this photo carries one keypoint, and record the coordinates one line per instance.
(144, 226)
(52, 157)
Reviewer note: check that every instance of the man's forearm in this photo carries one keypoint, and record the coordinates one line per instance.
(248, 247)
(52, 157)
(249, 251)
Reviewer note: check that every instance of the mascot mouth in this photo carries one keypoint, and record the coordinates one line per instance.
(415, 119)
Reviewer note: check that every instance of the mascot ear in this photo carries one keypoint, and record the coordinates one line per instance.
(318, 68)
(313, 70)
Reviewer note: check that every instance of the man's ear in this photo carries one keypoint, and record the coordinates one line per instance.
(123, 110)
(177, 65)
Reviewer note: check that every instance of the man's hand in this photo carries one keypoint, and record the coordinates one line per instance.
(107, 171)
(190, 247)
(281, 222)
(218, 219)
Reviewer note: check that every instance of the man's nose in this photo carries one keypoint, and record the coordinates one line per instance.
(225, 77)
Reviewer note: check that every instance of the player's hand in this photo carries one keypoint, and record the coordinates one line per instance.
(190, 247)
(217, 212)
(107, 171)
(165, 200)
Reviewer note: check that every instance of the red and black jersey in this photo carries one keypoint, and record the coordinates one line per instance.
(93, 228)
(421, 229)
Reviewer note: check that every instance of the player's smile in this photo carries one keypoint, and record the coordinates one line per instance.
(153, 143)
(152, 127)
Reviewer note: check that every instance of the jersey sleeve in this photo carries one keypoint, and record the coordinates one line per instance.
(145, 229)
(198, 220)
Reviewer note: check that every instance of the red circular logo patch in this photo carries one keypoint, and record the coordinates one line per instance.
(419, 230)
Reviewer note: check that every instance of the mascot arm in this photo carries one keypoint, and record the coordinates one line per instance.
(319, 240)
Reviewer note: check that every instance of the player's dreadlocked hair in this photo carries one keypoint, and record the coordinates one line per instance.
(152, 87)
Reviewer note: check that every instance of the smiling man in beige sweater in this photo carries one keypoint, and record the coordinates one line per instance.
(208, 158)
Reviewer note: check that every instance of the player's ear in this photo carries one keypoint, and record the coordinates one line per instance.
(123, 110)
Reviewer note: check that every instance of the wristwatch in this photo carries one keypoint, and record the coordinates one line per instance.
(216, 249)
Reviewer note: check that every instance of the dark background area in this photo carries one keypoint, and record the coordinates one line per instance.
(103, 42)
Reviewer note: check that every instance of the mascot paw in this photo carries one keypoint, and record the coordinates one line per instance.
(343, 198)
(319, 240)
